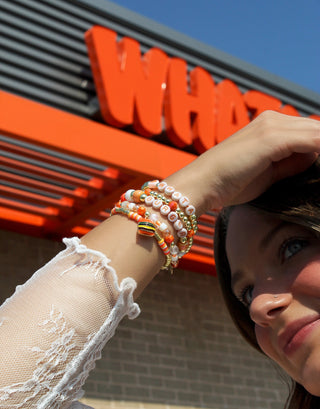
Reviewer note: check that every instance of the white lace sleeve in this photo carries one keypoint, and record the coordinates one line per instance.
(54, 327)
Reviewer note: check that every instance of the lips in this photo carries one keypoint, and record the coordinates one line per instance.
(296, 332)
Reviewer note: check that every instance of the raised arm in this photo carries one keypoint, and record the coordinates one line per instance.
(55, 326)
(271, 147)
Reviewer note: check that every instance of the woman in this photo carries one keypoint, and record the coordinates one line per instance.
(55, 326)
(268, 256)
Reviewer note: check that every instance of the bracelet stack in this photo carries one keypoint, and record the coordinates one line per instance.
(160, 197)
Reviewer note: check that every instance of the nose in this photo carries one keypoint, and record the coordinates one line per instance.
(265, 308)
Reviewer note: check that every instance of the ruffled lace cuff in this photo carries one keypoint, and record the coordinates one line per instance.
(55, 326)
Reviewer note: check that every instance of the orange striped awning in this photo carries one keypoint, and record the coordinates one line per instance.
(60, 174)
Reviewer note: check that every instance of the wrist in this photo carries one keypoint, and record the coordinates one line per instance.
(198, 187)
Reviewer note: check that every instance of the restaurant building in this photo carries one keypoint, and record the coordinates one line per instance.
(85, 88)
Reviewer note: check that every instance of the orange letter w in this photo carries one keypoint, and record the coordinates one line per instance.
(130, 88)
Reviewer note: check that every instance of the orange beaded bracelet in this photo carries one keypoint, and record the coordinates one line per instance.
(169, 203)
(146, 228)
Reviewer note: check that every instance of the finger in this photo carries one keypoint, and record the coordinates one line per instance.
(296, 163)
(284, 143)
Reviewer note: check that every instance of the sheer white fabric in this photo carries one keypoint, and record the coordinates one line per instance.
(53, 328)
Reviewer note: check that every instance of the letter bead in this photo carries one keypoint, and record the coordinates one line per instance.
(178, 225)
(190, 210)
(184, 201)
(157, 204)
(161, 186)
(172, 217)
(164, 210)
(169, 190)
(182, 232)
(176, 196)
(149, 200)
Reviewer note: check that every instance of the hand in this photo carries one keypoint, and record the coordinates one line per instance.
(270, 148)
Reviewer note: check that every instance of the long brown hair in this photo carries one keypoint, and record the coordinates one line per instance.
(297, 200)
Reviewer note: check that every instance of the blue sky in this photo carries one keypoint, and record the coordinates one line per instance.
(280, 36)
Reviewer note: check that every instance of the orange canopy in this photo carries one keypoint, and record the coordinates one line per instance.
(62, 173)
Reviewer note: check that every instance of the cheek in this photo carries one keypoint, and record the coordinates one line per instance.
(308, 279)
(264, 341)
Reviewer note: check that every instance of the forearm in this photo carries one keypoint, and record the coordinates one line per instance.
(131, 255)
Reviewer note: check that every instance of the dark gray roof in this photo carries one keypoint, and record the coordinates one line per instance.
(44, 57)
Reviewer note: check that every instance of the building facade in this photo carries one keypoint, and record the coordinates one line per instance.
(85, 87)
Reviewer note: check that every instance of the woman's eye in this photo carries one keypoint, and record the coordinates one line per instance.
(291, 247)
(246, 295)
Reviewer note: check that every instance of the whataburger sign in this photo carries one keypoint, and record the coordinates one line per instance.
(154, 91)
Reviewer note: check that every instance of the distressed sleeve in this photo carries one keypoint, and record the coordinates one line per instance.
(53, 328)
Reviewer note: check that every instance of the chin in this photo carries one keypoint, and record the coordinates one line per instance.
(311, 376)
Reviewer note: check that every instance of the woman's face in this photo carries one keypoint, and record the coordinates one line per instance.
(275, 269)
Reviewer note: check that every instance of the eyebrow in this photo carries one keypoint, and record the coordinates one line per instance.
(269, 236)
(266, 240)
